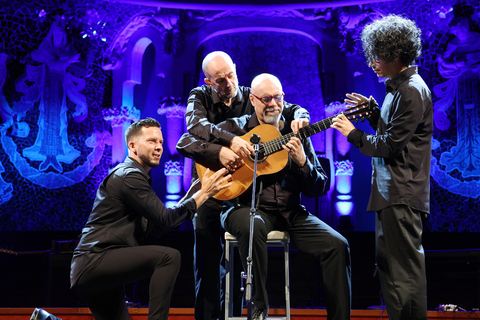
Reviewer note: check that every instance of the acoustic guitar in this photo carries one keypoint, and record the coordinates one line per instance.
(272, 158)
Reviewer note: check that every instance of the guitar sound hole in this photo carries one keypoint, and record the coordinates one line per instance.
(261, 158)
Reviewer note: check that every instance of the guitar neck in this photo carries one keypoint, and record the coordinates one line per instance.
(359, 112)
(275, 145)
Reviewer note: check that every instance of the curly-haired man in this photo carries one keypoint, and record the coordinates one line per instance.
(400, 152)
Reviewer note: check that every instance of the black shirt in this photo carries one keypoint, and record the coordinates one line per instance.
(205, 110)
(281, 192)
(125, 212)
(401, 147)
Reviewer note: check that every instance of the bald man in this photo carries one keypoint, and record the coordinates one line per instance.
(219, 99)
(280, 208)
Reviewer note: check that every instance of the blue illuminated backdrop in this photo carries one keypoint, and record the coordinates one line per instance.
(74, 75)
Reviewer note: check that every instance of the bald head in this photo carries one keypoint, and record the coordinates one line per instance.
(216, 60)
(265, 79)
(221, 75)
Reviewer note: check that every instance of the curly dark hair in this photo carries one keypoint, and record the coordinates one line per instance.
(135, 128)
(392, 38)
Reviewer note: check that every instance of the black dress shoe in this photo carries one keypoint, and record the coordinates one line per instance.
(259, 314)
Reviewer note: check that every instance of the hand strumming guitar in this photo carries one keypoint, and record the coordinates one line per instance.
(241, 147)
(229, 159)
(232, 158)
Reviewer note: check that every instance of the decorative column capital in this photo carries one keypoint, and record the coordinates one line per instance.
(334, 108)
(173, 168)
(172, 107)
(118, 116)
(343, 168)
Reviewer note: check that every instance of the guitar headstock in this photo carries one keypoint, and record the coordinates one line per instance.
(361, 111)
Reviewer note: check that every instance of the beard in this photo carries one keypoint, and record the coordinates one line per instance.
(152, 162)
(271, 119)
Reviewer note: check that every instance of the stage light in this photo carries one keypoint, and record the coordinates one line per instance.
(40, 314)
(344, 208)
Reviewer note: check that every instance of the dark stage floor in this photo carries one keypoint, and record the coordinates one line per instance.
(42, 278)
(187, 314)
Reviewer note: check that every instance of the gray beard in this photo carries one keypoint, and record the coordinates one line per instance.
(271, 119)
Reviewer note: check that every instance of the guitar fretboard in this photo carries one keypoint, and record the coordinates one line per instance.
(275, 145)
(360, 111)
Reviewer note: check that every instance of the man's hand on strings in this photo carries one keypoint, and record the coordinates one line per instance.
(297, 124)
(294, 147)
(342, 124)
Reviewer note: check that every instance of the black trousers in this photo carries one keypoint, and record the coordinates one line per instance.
(309, 234)
(401, 262)
(102, 285)
(209, 271)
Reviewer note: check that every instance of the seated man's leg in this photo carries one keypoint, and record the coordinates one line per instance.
(102, 285)
(311, 235)
(238, 224)
(207, 263)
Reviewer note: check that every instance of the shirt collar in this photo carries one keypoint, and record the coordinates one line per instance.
(137, 165)
(215, 97)
(238, 98)
(394, 83)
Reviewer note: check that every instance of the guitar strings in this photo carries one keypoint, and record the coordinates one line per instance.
(275, 145)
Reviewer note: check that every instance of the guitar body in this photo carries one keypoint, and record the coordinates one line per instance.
(271, 145)
(242, 178)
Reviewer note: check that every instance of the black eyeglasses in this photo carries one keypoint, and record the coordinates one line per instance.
(266, 100)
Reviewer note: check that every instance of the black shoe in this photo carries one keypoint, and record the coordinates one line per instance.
(259, 314)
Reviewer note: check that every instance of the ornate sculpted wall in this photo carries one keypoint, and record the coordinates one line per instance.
(60, 103)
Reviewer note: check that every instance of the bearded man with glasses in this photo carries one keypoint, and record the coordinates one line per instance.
(279, 206)
(220, 99)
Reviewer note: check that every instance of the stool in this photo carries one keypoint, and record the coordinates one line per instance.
(279, 239)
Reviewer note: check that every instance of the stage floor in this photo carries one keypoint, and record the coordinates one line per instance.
(187, 314)
(453, 277)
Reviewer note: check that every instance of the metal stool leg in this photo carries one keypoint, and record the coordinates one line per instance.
(287, 279)
(228, 278)
(230, 243)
